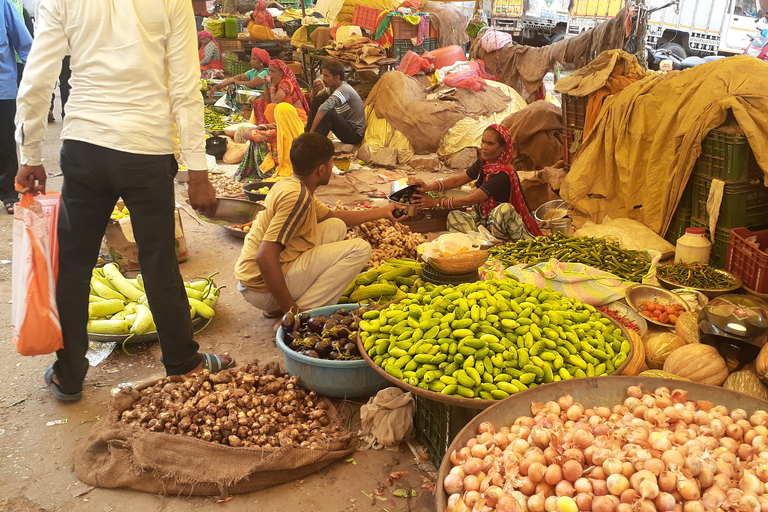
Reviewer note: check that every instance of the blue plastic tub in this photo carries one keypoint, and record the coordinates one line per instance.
(332, 378)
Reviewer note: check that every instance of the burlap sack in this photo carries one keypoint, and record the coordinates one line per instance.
(388, 416)
(113, 455)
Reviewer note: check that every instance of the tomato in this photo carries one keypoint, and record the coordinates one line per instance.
(663, 318)
(656, 313)
(670, 310)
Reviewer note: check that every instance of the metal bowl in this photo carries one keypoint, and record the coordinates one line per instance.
(237, 233)
(250, 190)
(639, 294)
(630, 314)
(221, 109)
(232, 211)
(697, 299)
(590, 392)
(246, 97)
(711, 293)
(147, 337)
(559, 208)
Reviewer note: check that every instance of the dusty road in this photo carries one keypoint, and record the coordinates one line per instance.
(36, 461)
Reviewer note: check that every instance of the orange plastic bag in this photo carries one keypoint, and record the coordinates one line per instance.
(35, 317)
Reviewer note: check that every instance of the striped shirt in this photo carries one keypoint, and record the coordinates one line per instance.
(290, 218)
(348, 104)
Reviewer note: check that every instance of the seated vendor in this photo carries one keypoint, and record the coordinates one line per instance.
(254, 78)
(498, 203)
(261, 23)
(211, 63)
(337, 108)
(295, 256)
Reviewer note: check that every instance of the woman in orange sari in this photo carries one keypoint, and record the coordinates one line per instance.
(284, 89)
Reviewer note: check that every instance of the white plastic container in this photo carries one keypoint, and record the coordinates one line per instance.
(693, 246)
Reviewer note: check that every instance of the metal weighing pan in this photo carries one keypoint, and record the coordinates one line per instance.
(711, 293)
(237, 233)
(144, 338)
(589, 392)
(232, 211)
(471, 403)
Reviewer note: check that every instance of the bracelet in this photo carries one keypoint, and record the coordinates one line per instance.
(440, 185)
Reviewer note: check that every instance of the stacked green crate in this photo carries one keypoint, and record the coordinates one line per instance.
(682, 217)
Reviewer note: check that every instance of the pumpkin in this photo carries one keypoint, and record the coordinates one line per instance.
(659, 374)
(746, 383)
(761, 364)
(699, 363)
(460, 263)
(636, 363)
(659, 347)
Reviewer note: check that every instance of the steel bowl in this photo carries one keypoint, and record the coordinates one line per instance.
(630, 314)
(232, 211)
(697, 299)
(237, 233)
(397, 198)
(246, 97)
(639, 294)
(590, 392)
(557, 207)
(221, 109)
(711, 293)
(251, 188)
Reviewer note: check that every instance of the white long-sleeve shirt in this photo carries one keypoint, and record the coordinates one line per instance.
(135, 78)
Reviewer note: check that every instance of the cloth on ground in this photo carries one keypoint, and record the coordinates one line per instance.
(449, 23)
(388, 416)
(610, 73)
(503, 222)
(524, 67)
(638, 158)
(402, 101)
(537, 134)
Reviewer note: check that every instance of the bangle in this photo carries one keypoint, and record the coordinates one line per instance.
(440, 185)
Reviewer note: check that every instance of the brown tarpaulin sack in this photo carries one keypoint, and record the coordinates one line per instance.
(115, 455)
(537, 136)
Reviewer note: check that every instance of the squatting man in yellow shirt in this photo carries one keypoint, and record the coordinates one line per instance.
(295, 256)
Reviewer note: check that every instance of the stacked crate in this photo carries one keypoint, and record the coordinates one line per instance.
(726, 155)
(682, 217)
(574, 114)
(403, 32)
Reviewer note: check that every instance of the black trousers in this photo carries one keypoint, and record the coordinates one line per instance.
(94, 178)
(64, 76)
(8, 162)
(332, 122)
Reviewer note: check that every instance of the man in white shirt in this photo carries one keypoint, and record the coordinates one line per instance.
(135, 79)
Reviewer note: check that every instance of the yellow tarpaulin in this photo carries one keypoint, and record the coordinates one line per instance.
(637, 160)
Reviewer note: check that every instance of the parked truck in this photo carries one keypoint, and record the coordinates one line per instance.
(695, 27)
(540, 21)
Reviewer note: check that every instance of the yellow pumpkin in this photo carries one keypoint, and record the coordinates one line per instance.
(746, 383)
(699, 363)
(659, 347)
(635, 365)
(761, 364)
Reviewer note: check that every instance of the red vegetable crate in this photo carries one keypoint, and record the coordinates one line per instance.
(749, 259)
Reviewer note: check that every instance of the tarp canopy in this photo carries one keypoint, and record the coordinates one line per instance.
(636, 161)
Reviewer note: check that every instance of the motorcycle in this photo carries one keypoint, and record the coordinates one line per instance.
(758, 46)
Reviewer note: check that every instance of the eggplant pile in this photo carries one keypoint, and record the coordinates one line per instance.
(324, 337)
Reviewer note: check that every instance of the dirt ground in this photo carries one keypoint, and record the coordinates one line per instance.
(36, 460)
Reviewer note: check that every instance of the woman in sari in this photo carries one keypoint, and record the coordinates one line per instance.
(284, 89)
(260, 23)
(497, 203)
(211, 63)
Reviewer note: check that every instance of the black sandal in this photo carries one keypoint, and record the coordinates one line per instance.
(10, 207)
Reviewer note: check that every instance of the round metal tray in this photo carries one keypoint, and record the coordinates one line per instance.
(622, 308)
(589, 392)
(147, 337)
(471, 403)
(638, 294)
(237, 233)
(711, 293)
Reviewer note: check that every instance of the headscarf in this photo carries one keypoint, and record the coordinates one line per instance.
(204, 33)
(261, 16)
(516, 198)
(262, 54)
(295, 89)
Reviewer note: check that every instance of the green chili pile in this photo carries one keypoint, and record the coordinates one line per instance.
(695, 275)
(214, 120)
(595, 252)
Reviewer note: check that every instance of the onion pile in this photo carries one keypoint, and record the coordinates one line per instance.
(655, 452)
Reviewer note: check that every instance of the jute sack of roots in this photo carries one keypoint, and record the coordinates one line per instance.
(115, 455)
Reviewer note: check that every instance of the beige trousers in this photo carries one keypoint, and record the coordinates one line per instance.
(319, 276)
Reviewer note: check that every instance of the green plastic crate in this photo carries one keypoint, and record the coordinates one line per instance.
(436, 424)
(402, 46)
(719, 253)
(680, 221)
(236, 67)
(726, 155)
(744, 204)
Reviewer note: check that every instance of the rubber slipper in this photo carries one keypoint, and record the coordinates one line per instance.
(269, 315)
(56, 390)
(214, 363)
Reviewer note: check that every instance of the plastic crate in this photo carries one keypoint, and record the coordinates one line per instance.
(365, 17)
(401, 47)
(749, 260)
(569, 149)
(236, 67)
(680, 221)
(435, 424)
(719, 255)
(744, 204)
(401, 29)
(574, 111)
(726, 155)
(230, 45)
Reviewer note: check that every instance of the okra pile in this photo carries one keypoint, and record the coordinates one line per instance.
(489, 340)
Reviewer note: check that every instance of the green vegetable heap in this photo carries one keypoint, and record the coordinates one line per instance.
(214, 121)
(595, 252)
(489, 340)
(695, 275)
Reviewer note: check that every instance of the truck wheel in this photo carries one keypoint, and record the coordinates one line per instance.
(557, 37)
(675, 49)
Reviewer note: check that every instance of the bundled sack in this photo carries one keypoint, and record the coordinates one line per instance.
(34, 314)
(118, 453)
(388, 416)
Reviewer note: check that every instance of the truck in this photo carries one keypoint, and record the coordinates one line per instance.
(693, 27)
(537, 21)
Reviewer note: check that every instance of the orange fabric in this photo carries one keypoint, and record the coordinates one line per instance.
(269, 113)
(614, 85)
(212, 64)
